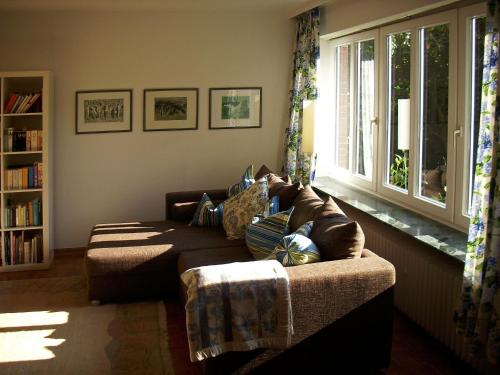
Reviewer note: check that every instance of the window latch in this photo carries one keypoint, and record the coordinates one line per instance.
(456, 133)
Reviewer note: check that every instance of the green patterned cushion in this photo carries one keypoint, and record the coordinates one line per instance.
(263, 236)
(305, 229)
(246, 181)
(296, 248)
(241, 208)
(207, 215)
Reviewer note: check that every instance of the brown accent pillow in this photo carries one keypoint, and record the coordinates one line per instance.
(306, 206)
(329, 209)
(264, 170)
(338, 238)
(286, 192)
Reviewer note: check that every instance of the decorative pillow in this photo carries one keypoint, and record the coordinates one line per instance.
(263, 236)
(295, 249)
(305, 229)
(264, 170)
(338, 238)
(306, 205)
(246, 181)
(241, 208)
(286, 192)
(206, 214)
(272, 207)
(329, 209)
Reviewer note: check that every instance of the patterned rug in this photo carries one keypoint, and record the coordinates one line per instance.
(48, 327)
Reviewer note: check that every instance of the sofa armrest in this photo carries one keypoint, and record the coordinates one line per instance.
(324, 292)
(180, 205)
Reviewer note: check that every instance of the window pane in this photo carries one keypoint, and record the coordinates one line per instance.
(398, 123)
(343, 105)
(434, 58)
(477, 56)
(365, 107)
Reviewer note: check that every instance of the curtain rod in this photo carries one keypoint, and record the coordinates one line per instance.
(401, 17)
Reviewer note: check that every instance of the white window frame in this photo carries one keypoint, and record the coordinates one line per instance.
(463, 140)
(412, 198)
(349, 175)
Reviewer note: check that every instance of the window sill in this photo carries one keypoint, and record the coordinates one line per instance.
(439, 236)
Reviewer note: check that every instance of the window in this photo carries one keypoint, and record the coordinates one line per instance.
(355, 107)
(421, 151)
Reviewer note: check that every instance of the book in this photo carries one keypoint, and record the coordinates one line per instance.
(10, 102)
(16, 103)
(32, 101)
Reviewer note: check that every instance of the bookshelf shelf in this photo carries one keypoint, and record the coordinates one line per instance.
(22, 114)
(13, 229)
(27, 247)
(21, 191)
(22, 152)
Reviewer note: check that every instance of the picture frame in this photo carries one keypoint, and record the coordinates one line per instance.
(235, 108)
(170, 109)
(103, 111)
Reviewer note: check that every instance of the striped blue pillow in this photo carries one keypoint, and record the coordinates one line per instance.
(206, 214)
(246, 181)
(263, 236)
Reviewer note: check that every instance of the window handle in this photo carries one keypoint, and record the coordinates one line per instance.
(456, 133)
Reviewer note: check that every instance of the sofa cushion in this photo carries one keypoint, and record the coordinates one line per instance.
(143, 247)
(245, 182)
(206, 214)
(222, 255)
(306, 205)
(263, 236)
(264, 171)
(328, 209)
(241, 208)
(338, 238)
(286, 192)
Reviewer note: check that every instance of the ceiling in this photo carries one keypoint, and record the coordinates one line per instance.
(289, 6)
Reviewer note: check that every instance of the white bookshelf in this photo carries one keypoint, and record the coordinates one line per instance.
(38, 118)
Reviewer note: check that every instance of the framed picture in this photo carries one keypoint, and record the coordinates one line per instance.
(103, 111)
(235, 108)
(170, 109)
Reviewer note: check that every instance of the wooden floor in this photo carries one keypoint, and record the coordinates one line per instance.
(413, 352)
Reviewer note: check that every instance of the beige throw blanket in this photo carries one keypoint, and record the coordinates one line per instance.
(237, 307)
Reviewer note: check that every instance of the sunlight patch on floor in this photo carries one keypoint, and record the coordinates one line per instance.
(20, 343)
(33, 319)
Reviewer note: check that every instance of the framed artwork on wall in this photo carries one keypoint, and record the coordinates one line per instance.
(103, 111)
(235, 108)
(170, 109)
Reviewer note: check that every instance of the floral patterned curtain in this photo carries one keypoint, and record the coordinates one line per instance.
(478, 315)
(297, 164)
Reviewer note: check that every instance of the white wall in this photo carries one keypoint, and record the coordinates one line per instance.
(123, 176)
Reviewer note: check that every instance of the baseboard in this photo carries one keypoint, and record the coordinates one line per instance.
(70, 251)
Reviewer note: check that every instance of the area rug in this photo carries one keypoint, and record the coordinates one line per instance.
(47, 326)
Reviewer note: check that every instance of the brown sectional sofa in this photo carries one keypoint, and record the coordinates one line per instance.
(341, 309)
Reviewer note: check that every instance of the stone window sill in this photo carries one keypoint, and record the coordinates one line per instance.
(439, 236)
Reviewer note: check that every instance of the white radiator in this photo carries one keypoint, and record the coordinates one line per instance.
(427, 286)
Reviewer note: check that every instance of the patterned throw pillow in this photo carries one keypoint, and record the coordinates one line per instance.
(206, 214)
(263, 236)
(241, 208)
(295, 249)
(305, 229)
(246, 181)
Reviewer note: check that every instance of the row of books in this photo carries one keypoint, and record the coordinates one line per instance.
(23, 140)
(23, 248)
(24, 178)
(22, 103)
(23, 215)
